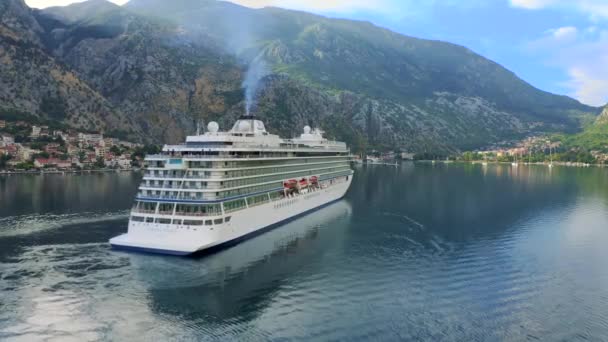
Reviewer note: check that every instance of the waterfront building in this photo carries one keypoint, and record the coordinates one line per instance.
(39, 131)
(7, 138)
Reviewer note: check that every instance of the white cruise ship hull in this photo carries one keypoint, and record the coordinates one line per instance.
(243, 224)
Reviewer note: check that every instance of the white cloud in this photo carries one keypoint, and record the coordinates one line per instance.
(564, 33)
(583, 54)
(553, 39)
(596, 9)
(589, 86)
(531, 4)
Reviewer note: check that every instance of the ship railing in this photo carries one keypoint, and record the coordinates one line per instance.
(142, 211)
(195, 177)
(171, 187)
(163, 176)
(180, 213)
(205, 156)
(231, 210)
(165, 197)
(196, 187)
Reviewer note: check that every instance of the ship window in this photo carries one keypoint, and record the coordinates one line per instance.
(149, 219)
(227, 219)
(234, 205)
(177, 221)
(163, 221)
(218, 221)
(166, 207)
(137, 219)
(208, 223)
(193, 223)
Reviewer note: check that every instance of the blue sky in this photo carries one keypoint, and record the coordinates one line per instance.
(556, 45)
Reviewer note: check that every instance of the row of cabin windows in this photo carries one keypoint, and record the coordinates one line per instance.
(231, 164)
(177, 174)
(174, 184)
(236, 192)
(261, 163)
(181, 222)
(180, 209)
(209, 209)
(255, 172)
(247, 181)
(248, 190)
(246, 163)
(227, 174)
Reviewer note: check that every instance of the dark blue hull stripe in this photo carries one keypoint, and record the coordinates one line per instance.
(149, 250)
(226, 244)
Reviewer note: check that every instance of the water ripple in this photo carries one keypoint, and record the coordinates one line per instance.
(30, 224)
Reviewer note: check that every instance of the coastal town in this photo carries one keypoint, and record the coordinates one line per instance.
(29, 147)
(537, 149)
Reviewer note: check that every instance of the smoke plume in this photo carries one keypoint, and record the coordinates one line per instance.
(257, 69)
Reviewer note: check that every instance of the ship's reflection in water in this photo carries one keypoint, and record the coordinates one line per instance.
(241, 280)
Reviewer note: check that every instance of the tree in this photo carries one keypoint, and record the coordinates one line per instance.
(143, 151)
(25, 166)
(115, 150)
(37, 145)
(99, 163)
(4, 160)
(41, 155)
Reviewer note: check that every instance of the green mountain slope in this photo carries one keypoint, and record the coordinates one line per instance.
(158, 66)
(593, 138)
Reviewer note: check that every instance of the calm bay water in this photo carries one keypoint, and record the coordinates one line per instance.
(445, 252)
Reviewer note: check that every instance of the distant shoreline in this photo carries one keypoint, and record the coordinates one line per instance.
(43, 172)
(570, 164)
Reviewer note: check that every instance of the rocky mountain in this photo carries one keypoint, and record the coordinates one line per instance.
(33, 81)
(152, 68)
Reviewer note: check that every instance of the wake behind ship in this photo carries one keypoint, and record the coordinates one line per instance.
(222, 187)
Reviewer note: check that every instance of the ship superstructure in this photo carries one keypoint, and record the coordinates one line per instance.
(221, 187)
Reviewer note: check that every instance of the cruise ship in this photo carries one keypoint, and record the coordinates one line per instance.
(219, 188)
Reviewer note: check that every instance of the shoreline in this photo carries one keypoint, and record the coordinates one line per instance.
(42, 172)
(570, 164)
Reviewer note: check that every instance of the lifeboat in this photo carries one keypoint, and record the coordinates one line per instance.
(303, 182)
(290, 183)
(314, 179)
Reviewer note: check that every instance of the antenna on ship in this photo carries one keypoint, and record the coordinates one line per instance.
(199, 124)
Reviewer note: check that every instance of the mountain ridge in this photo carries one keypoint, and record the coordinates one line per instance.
(161, 69)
